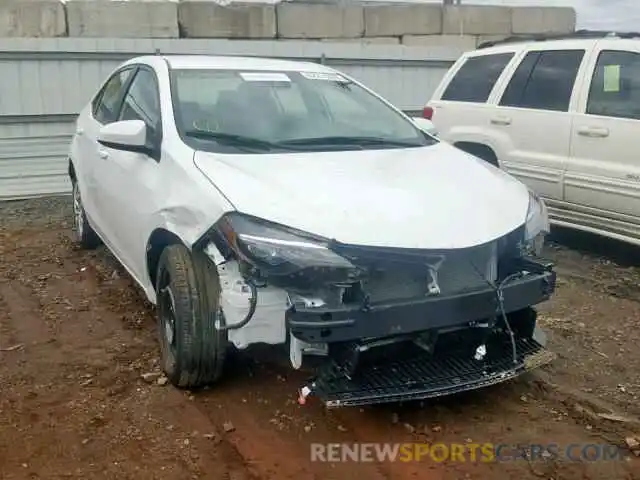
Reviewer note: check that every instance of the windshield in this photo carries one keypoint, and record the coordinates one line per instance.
(236, 111)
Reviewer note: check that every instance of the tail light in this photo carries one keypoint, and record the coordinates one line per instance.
(427, 113)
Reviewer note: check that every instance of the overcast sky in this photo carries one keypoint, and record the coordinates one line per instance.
(592, 14)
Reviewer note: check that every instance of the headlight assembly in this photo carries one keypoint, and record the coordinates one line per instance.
(536, 225)
(276, 250)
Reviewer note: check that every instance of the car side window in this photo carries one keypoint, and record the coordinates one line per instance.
(105, 105)
(615, 86)
(474, 81)
(544, 80)
(142, 101)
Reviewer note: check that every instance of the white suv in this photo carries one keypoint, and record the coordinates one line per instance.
(562, 115)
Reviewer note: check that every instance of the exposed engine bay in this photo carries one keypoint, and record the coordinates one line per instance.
(392, 323)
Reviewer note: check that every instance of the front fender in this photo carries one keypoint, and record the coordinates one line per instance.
(185, 210)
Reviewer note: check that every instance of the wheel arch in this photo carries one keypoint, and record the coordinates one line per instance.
(159, 239)
(480, 150)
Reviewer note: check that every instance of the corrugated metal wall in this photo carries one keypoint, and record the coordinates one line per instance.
(45, 82)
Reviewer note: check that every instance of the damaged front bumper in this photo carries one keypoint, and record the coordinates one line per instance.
(393, 324)
(345, 323)
(434, 343)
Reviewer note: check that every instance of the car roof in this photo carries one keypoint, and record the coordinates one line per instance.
(224, 62)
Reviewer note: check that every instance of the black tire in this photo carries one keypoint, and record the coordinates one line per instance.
(84, 234)
(188, 290)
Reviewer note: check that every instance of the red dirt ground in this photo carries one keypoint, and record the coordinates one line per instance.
(76, 335)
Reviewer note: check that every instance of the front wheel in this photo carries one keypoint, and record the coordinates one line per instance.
(192, 349)
(85, 235)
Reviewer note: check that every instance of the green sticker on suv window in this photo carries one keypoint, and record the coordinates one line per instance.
(612, 78)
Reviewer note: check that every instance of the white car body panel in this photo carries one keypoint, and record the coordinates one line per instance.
(425, 125)
(386, 198)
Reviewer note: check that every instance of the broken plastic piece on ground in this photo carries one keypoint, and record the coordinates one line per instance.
(304, 393)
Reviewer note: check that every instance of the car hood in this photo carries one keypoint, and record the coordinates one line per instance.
(434, 197)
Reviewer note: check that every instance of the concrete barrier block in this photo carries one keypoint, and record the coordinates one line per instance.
(387, 20)
(366, 40)
(532, 20)
(297, 20)
(123, 19)
(32, 18)
(206, 19)
(476, 20)
(457, 42)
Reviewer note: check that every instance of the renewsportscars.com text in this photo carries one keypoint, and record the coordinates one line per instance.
(461, 452)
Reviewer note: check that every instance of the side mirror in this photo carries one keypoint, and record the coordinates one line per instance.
(425, 125)
(127, 135)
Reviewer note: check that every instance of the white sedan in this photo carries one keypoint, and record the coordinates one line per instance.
(268, 201)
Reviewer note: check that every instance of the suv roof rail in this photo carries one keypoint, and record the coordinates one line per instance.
(578, 34)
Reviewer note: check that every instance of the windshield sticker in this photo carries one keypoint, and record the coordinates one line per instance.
(612, 78)
(265, 77)
(327, 76)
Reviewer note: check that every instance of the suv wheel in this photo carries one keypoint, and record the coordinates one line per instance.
(192, 350)
(85, 235)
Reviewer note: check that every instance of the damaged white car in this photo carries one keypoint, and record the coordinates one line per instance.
(268, 201)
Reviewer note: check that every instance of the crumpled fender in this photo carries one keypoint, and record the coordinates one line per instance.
(186, 208)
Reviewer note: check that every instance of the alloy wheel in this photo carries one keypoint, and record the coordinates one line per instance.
(78, 211)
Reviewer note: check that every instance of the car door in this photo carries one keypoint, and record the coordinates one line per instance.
(602, 181)
(104, 110)
(533, 118)
(459, 108)
(131, 180)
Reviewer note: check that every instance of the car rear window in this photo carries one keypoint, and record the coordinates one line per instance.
(474, 81)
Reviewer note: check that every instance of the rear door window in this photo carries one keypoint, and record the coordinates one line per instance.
(474, 81)
(615, 86)
(544, 80)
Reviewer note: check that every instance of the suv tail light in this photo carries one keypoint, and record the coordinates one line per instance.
(427, 113)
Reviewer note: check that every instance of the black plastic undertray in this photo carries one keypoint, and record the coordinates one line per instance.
(422, 375)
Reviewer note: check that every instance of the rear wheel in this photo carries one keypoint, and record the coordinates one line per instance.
(192, 350)
(85, 235)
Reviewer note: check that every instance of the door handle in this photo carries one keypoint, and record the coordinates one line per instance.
(103, 154)
(80, 131)
(593, 132)
(501, 121)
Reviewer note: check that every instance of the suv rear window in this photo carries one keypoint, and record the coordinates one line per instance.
(475, 79)
(544, 80)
